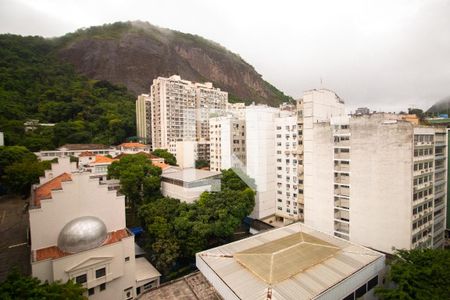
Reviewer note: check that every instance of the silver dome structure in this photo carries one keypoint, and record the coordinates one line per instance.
(82, 234)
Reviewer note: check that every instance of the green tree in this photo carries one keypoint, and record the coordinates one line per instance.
(17, 286)
(139, 179)
(35, 84)
(19, 176)
(418, 274)
(168, 157)
(13, 154)
(200, 163)
(231, 181)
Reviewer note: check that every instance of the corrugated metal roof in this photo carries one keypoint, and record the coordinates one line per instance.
(244, 272)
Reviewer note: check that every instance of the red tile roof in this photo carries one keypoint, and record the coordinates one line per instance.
(100, 159)
(163, 166)
(133, 145)
(86, 153)
(45, 190)
(54, 252)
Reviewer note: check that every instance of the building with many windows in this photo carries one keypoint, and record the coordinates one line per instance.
(227, 142)
(143, 118)
(180, 110)
(349, 164)
(286, 138)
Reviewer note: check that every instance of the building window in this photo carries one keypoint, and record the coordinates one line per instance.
(91, 291)
(81, 279)
(102, 286)
(100, 272)
(360, 291)
(127, 258)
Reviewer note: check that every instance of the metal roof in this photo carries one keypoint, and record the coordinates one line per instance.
(189, 175)
(293, 262)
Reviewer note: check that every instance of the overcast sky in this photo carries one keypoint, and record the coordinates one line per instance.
(387, 55)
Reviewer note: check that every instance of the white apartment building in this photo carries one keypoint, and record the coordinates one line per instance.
(228, 146)
(172, 111)
(180, 110)
(143, 118)
(2, 139)
(260, 162)
(78, 232)
(376, 180)
(288, 209)
(208, 100)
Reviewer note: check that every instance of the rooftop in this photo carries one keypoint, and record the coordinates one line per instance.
(100, 159)
(193, 286)
(53, 252)
(83, 147)
(293, 262)
(278, 260)
(44, 191)
(133, 145)
(145, 270)
(163, 166)
(149, 155)
(86, 153)
(190, 175)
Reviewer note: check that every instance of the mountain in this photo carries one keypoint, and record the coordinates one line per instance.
(134, 53)
(442, 106)
(35, 84)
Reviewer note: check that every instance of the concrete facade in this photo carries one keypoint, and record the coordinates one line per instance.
(288, 208)
(107, 271)
(143, 118)
(228, 145)
(180, 110)
(349, 164)
(260, 144)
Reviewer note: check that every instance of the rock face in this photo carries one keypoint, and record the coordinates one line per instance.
(134, 53)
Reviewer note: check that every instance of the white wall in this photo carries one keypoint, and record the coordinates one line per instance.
(186, 154)
(80, 197)
(381, 183)
(260, 142)
(62, 166)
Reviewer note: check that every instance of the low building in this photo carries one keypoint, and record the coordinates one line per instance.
(76, 150)
(78, 232)
(188, 184)
(133, 148)
(292, 262)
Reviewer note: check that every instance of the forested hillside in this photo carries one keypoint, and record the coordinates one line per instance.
(35, 84)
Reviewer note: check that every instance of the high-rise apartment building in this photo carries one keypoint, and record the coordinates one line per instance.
(227, 142)
(180, 110)
(172, 111)
(208, 100)
(143, 118)
(286, 138)
(373, 179)
(260, 162)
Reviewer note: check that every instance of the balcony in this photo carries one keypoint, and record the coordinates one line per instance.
(345, 132)
(340, 167)
(341, 203)
(341, 191)
(341, 178)
(341, 227)
(342, 215)
(342, 155)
